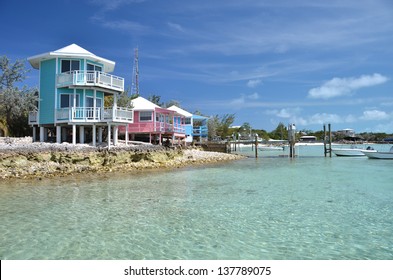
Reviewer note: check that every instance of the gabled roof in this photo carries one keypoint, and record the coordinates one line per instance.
(72, 51)
(180, 111)
(141, 103)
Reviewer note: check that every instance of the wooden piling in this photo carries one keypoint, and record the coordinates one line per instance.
(256, 146)
(327, 140)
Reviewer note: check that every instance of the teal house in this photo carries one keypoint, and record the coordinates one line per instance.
(73, 85)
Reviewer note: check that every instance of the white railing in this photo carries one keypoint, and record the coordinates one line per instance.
(91, 114)
(86, 113)
(33, 117)
(90, 78)
(118, 114)
(63, 114)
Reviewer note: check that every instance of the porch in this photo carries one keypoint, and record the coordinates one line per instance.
(93, 115)
(90, 78)
(156, 127)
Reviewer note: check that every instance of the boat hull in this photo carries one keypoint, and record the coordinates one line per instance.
(379, 155)
(351, 152)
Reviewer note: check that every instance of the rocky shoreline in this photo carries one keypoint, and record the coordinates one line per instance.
(20, 158)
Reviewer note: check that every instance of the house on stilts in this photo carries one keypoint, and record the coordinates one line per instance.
(73, 84)
(154, 124)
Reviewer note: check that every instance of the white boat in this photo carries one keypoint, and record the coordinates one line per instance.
(270, 148)
(352, 151)
(380, 155)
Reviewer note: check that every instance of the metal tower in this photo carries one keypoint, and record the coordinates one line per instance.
(135, 75)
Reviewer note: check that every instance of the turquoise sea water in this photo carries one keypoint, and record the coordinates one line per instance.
(310, 207)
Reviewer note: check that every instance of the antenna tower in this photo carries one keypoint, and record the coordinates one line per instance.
(135, 75)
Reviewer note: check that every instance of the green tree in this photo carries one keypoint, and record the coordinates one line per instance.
(123, 99)
(15, 102)
(280, 133)
(172, 103)
(219, 127)
(156, 99)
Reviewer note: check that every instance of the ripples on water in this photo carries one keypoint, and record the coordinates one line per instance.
(267, 208)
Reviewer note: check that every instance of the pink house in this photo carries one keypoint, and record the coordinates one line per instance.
(154, 124)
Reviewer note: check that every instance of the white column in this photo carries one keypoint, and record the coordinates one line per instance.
(82, 134)
(100, 134)
(74, 134)
(74, 98)
(94, 104)
(42, 131)
(58, 134)
(94, 135)
(115, 134)
(109, 136)
(126, 134)
(34, 134)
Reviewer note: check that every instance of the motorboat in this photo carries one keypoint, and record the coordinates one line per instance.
(271, 148)
(353, 151)
(380, 155)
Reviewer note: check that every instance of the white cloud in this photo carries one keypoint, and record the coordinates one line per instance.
(125, 25)
(253, 96)
(375, 115)
(113, 4)
(285, 113)
(176, 26)
(293, 115)
(253, 83)
(345, 86)
(244, 99)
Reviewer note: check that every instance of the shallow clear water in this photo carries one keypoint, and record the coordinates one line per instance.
(272, 207)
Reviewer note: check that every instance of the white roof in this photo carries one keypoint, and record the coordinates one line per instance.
(72, 51)
(141, 103)
(180, 111)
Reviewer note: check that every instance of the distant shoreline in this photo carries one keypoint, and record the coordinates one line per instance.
(24, 160)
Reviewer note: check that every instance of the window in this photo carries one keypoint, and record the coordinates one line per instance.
(92, 67)
(145, 116)
(187, 121)
(69, 65)
(90, 102)
(67, 100)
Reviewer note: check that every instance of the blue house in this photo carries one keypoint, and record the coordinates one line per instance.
(195, 126)
(73, 84)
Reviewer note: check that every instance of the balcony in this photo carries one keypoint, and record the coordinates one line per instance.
(201, 131)
(90, 78)
(154, 127)
(33, 117)
(94, 115)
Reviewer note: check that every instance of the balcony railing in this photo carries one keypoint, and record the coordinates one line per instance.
(90, 78)
(90, 114)
(154, 127)
(33, 117)
(200, 130)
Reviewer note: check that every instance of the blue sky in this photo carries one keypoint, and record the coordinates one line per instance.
(290, 61)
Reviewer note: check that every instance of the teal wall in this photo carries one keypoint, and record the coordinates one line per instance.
(47, 91)
(79, 92)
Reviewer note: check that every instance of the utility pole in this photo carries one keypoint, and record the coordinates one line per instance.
(135, 75)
